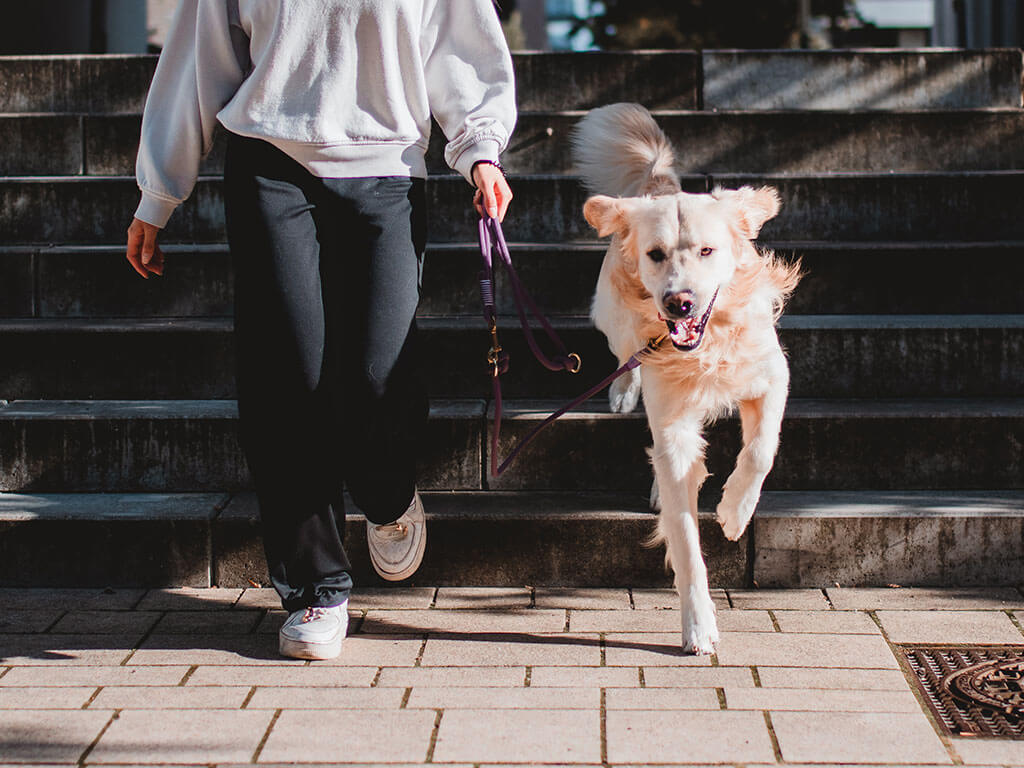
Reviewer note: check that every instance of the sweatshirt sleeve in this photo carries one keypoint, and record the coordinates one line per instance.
(470, 82)
(197, 74)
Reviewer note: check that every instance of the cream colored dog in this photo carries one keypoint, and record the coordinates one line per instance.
(686, 263)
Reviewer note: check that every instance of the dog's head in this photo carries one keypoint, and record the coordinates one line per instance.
(684, 247)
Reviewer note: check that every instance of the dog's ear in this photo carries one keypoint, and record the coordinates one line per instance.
(753, 207)
(605, 214)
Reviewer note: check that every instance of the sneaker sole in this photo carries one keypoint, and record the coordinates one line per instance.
(296, 649)
(410, 569)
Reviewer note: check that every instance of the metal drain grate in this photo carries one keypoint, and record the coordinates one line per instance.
(977, 691)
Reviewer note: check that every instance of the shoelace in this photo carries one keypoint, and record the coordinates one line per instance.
(313, 613)
(394, 530)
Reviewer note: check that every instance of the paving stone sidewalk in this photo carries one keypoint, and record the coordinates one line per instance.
(487, 677)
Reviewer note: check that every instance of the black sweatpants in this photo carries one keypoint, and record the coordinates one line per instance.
(327, 280)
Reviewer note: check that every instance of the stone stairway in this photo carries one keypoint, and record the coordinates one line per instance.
(902, 456)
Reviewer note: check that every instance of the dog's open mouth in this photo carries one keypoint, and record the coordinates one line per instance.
(687, 334)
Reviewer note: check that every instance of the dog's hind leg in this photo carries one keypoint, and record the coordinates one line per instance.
(679, 468)
(762, 421)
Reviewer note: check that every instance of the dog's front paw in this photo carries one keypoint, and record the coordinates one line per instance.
(700, 641)
(624, 393)
(734, 517)
(700, 630)
(730, 522)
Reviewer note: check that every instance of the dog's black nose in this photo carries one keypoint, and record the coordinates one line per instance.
(679, 304)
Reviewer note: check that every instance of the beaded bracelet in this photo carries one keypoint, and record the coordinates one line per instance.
(495, 163)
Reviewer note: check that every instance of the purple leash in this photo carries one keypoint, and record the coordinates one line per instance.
(493, 239)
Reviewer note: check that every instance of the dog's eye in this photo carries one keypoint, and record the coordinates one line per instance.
(706, 251)
(656, 254)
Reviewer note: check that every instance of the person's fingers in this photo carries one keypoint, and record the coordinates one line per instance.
(504, 195)
(486, 176)
(143, 252)
(477, 197)
(156, 261)
(148, 243)
(136, 236)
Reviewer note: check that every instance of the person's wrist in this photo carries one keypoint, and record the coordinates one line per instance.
(495, 163)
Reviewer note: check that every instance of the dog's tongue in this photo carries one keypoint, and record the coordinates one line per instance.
(683, 332)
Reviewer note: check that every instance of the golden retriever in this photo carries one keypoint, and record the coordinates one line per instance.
(686, 263)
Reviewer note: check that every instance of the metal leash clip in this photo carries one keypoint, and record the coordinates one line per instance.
(494, 354)
(655, 341)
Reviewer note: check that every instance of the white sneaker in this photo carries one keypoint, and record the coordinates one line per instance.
(314, 633)
(396, 549)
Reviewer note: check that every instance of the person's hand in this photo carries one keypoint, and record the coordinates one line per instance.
(143, 252)
(492, 191)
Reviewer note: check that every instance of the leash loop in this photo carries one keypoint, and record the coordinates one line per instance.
(492, 240)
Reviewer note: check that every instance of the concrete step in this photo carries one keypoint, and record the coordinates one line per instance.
(841, 278)
(836, 79)
(825, 444)
(797, 539)
(183, 445)
(172, 446)
(861, 79)
(214, 539)
(977, 206)
(545, 81)
(926, 538)
(830, 356)
(707, 142)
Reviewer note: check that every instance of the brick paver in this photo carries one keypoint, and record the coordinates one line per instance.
(504, 698)
(927, 599)
(818, 700)
(106, 622)
(989, 751)
(841, 737)
(662, 698)
(167, 697)
(694, 737)
(176, 736)
(832, 678)
(581, 599)
(189, 599)
(827, 622)
(44, 698)
(18, 620)
(560, 649)
(353, 736)
(482, 597)
(949, 627)
(54, 736)
(61, 675)
(805, 650)
(542, 736)
(779, 599)
(481, 677)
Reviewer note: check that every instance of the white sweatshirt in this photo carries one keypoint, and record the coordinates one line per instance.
(345, 87)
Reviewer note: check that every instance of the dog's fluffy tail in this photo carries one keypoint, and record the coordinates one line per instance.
(619, 150)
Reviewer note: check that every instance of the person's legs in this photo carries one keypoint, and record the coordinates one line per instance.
(371, 289)
(283, 389)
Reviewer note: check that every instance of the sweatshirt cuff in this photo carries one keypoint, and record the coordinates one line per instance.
(485, 149)
(155, 210)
